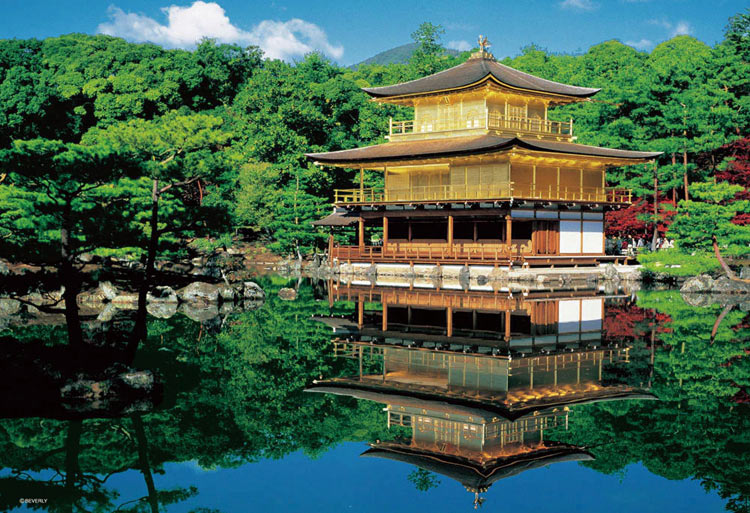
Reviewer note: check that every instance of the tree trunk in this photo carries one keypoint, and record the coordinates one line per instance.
(71, 281)
(139, 332)
(727, 269)
(72, 469)
(685, 175)
(656, 209)
(142, 446)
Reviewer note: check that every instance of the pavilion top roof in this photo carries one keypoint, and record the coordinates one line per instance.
(481, 67)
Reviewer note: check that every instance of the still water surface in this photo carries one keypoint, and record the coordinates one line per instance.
(361, 398)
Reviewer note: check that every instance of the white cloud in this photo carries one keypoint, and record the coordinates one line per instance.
(643, 44)
(682, 28)
(583, 5)
(461, 46)
(187, 25)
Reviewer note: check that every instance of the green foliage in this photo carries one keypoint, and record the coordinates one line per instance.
(675, 262)
(53, 186)
(683, 98)
(698, 221)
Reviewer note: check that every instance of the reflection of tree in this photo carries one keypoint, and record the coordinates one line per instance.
(230, 398)
(236, 396)
(696, 430)
(423, 480)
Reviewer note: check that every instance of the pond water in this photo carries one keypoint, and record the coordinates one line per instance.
(355, 397)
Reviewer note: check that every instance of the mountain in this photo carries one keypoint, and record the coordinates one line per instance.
(400, 54)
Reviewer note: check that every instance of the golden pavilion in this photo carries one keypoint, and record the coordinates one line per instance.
(480, 176)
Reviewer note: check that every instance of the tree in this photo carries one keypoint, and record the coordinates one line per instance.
(736, 170)
(61, 196)
(427, 57)
(698, 221)
(176, 151)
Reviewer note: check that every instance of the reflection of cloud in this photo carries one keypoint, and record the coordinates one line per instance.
(643, 44)
(461, 46)
(196, 467)
(583, 5)
(187, 25)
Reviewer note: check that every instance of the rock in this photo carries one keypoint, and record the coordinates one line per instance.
(482, 280)
(253, 291)
(9, 307)
(126, 301)
(199, 313)
(4, 269)
(108, 291)
(85, 258)
(288, 294)
(251, 304)
(464, 277)
(610, 272)
(85, 389)
(199, 291)
(227, 293)
(161, 309)
(162, 294)
(107, 314)
(723, 285)
(744, 273)
(140, 381)
(499, 274)
(698, 284)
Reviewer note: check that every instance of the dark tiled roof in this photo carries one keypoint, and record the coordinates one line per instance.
(476, 70)
(472, 475)
(466, 145)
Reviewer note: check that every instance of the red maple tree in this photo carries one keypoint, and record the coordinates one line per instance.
(737, 172)
(628, 222)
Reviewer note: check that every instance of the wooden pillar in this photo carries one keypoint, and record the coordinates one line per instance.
(360, 313)
(385, 317)
(385, 232)
(360, 363)
(361, 184)
(507, 325)
(330, 248)
(449, 321)
(450, 232)
(509, 233)
(361, 243)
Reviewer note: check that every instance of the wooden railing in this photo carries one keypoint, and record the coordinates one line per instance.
(497, 192)
(489, 119)
(429, 252)
(498, 121)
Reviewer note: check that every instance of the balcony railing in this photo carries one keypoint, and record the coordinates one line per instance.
(495, 192)
(489, 120)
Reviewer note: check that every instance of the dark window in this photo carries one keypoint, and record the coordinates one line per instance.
(463, 320)
(520, 324)
(489, 230)
(489, 321)
(398, 229)
(431, 230)
(522, 230)
(425, 317)
(463, 230)
(397, 315)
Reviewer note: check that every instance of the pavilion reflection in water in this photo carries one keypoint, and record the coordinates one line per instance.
(477, 378)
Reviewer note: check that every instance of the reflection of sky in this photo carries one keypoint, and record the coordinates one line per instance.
(342, 481)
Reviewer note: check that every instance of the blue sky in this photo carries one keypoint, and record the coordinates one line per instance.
(352, 30)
